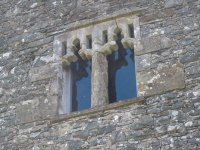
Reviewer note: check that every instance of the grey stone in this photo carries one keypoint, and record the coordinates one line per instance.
(4, 132)
(35, 134)
(161, 129)
(1, 92)
(136, 135)
(119, 137)
(25, 111)
(130, 146)
(40, 42)
(193, 71)
(179, 104)
(169, 96)
(143, 62)
(22, 138)
(38, 62)
(146, 120)
(35, 148)
(91, 125)
(160, 80)
(172, 3)
(136, 126)
(99, 80)
(190, 56)
(7, 121)
(195, 33)
(82, 134)
(3, 109)
(75, 145)
(194, 141)
(35, 109)
(107, 129)
(154, 43)
(42, 72)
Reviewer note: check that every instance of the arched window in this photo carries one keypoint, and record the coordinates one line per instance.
(76, 84)
(81, 82)
(121, 73)
(110, 76)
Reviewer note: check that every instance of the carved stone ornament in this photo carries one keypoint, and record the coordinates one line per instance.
(98, 43)
(92, 40)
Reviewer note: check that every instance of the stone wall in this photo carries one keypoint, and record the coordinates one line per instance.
(168, 72)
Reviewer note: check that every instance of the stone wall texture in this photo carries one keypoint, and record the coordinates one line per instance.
(168, 73)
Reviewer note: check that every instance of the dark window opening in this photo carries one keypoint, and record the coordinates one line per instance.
(122, 75)
(105, 36)
(64, 49)
(131, 30)
(89, 41)
(81, 83)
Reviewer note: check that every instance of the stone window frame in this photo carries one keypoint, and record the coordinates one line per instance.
(99, 50)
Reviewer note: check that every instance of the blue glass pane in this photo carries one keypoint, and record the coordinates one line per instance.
(122, 76)
(81, 87)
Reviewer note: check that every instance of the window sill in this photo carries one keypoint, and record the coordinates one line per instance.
(91, 111)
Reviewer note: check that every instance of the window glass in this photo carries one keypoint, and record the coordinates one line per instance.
(81, 84)
(122, 76)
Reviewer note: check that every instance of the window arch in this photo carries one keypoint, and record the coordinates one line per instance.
(121, 72)
(112, 77)
(81, 81)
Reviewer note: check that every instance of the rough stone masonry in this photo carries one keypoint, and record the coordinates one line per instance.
(168, 72)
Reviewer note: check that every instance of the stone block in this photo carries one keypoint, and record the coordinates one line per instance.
(146, 120)
(119, 136)
(190, 56)
(36, 109)
(47, 107)
(173, 3)
(26, 111)
(42, 72)
(143, 62)
(162, 79)
(1, 92)
(193, 71)
(154, 43)
(73, 145)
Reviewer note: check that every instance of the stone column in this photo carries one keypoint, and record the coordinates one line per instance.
(99, 79)
(99, 71)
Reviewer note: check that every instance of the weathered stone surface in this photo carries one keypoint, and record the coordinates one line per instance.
(143, 62)
(1, 92)
(190, 56)
(42, 72)
(164, 78)
(166, 121)
(36, 109)
(172, 3)
(99, 79)
(147, 120)
(154, 43)
(76, 145)
(26, 111)
(119, 136)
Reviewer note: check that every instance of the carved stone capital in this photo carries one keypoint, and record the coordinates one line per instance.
(128, 42)
(85, 53)
(99, 37)
(69, 57)
(108, 48)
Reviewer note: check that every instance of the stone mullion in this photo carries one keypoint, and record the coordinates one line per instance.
(99, 79)
(99, 70)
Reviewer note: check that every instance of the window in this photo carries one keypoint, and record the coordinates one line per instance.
(121, 74)
(81, 83)
(98, 65)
